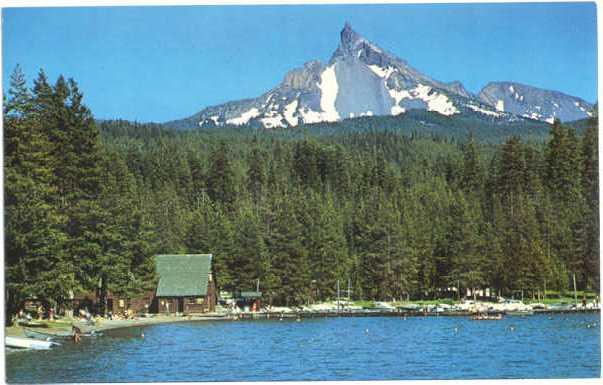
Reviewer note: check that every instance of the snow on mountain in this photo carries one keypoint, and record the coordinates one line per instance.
(361, 79)
(534, 103)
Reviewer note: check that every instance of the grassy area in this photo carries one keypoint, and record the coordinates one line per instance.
(365, 304)
(446, 301)
(570, 294)
(552, 297)
(13, 331)
(552, 301)
(564, 297)
(371, 304)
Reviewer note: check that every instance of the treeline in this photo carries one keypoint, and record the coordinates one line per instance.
(396, 216)
(73, 222)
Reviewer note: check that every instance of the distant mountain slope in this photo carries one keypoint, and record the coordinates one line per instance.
(421, 122)
(361, 79)
(534, 103)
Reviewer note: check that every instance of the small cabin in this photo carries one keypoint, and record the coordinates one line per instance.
(249, 300)
(186, 284)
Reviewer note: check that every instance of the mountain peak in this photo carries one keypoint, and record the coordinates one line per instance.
(353, 45)
(349, 37)
(303, 78)
(362, 79)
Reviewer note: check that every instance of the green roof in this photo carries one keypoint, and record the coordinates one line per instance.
(251, 294)
(182, 275)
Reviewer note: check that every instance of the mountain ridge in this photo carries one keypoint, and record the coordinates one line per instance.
(362, 79)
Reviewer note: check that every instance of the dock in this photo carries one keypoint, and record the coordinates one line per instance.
(386, 313)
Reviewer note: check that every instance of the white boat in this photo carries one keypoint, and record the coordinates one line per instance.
(522, 312)
(384, 306)
(29, 343)
(38, 335)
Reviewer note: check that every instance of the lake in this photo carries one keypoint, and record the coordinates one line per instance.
(360, 348)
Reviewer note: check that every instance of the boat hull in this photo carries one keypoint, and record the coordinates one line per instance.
(52, 336)
(29, 343)
(45, 336)
(520, 312)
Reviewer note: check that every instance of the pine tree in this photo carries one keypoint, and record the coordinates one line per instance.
(590, 221)
(249, 261)
(34, 239)
(211, 232)
(465, 245)
(562, 161)
(511, 175)
(472, 178)
(289, 258)
(220, 180)
(325, 243)
(256, 174)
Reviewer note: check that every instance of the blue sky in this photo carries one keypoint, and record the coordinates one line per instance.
(164, 63)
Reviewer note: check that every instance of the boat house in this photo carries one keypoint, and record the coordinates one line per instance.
(186, 284)
(249, 300)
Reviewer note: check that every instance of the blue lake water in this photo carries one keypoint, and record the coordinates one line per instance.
(383, 348)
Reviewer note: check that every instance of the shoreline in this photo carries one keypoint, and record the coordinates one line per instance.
(105, 325)
(108, 325)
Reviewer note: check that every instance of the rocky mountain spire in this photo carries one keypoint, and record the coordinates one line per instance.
(350, 44)
(362, 79)
(349, 37)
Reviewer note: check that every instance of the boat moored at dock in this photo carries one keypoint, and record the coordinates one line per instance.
(29, 343)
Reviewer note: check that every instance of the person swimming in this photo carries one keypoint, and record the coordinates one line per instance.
(76, 333)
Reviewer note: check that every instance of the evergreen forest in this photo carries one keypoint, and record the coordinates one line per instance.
(399, 214)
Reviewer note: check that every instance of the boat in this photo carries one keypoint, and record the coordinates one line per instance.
(487, 317)
(45, 336)
(413, 307)
(32, 324)
(57, 336)
(29, 343)
(384, 307)
(519, 312)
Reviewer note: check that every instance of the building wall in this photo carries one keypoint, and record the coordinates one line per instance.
(187, 305)
(166, 305)
(211, 296)
(143, 303)
(140, 304)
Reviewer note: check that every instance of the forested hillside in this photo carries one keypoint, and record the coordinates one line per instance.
(398, 213)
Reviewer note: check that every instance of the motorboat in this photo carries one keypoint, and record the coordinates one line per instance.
(29, 343)
(487, 317)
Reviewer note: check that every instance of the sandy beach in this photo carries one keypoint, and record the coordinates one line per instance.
(107, 324)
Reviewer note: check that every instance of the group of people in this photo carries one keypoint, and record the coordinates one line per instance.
(86, 316)
(40, 312)
(127, 314)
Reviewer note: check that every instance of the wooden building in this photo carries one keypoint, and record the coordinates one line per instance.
(249, 300)
(186, 284)
(138, 305)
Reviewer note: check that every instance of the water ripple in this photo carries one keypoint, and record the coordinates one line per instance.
(328, 349)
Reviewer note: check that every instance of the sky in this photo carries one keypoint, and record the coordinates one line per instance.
(165, 63)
